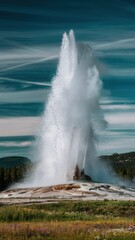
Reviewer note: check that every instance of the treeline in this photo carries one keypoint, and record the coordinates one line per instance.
(123, 164)
(13, 172)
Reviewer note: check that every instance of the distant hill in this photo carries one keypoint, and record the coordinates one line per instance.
(14, 161)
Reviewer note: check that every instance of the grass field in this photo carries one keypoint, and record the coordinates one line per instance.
(77, 220)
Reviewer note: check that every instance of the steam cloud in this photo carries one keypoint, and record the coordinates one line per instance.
(72, 120)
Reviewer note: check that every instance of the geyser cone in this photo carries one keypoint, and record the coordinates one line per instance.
(71, 118)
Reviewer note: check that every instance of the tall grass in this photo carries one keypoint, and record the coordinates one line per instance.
(65, 231)
(67, 211)
(69, 220)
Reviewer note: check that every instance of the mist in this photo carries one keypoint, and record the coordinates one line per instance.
(71, 121)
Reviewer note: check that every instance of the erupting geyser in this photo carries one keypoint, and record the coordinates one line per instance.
(71, 120)
(71, 117)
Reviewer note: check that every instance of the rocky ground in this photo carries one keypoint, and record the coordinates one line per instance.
(73, 191)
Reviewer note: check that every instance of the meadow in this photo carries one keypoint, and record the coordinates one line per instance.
(77, 220)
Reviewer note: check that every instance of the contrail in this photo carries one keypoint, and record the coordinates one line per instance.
(24, 81)
(16, 44)
(29, 63)
(115, 43)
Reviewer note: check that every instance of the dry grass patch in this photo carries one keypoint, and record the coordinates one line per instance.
(68, 230)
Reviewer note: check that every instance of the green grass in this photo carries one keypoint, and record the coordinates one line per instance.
(77, 220)
(68, 210)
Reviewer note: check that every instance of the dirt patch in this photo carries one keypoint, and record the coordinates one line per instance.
(65, 187)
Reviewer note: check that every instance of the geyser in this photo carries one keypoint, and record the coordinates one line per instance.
(71, 120)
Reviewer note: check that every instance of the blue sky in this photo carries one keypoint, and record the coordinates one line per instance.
(30, 37)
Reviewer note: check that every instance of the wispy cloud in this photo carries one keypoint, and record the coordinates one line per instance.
(15, 144)
(29, 96)
(122, 72)
(118, 144)
(119, 107)
(119, 44)
(120, 118)
(28, 63)
(25, 81)
(119, 134)
(19, 126)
